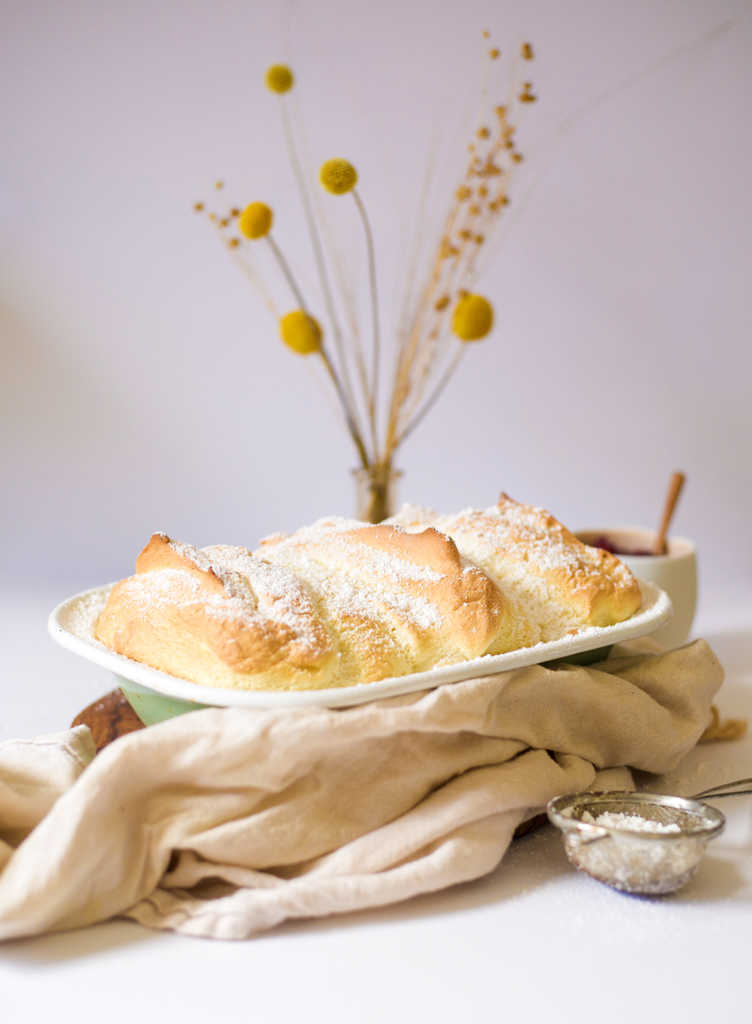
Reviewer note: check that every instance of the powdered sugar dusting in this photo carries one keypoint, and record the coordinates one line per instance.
(392, 566)
(228, 564)
(352, 577)
(629, 822)
(81, 617)
(371, 604)
(258, 594)
(345, 593)
(519, 546)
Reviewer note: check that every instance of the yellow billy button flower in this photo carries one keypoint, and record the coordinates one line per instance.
(279, 78)
(300, 332)
(256, 220)
(338, 176)
(473, 318)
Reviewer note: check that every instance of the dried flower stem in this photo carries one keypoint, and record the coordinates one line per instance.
(288, 275)
(408, 351)
(373, 392)
(346, 386)
(431, 401)
(331, 370)
(255, 279)
(337, 261)
(354, 432)
(479, 200)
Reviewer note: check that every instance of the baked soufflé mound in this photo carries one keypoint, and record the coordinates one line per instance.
(342, 602)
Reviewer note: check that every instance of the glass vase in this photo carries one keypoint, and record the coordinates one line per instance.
(376, 493)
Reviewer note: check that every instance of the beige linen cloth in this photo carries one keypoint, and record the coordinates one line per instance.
(225, 822)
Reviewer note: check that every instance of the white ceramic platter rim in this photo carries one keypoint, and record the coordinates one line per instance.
(656, 609)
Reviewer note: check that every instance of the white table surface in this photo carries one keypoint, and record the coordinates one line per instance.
(534, 940)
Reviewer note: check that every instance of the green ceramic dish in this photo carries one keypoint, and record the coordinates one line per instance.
(157, 696)
(152, 707)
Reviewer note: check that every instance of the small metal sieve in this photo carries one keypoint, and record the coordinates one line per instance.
(650, 863)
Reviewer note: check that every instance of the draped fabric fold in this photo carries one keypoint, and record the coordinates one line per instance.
(225, 822)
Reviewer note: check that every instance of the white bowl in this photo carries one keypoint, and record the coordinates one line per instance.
(675, 572)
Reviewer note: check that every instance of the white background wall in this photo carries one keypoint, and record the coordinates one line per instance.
(142, 385)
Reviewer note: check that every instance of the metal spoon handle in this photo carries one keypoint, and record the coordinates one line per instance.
(717, 796)
(717, 791)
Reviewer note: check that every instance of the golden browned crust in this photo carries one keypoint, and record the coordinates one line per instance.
(336, 604)
(341, 602)
(217, 616)
(564, 584)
